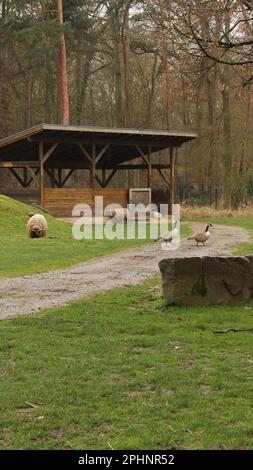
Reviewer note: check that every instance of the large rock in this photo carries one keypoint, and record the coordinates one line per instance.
(207, 280)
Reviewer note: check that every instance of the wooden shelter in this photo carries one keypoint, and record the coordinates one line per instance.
(57, 151)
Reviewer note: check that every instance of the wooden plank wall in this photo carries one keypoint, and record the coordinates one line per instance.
(60, 201)
(27, 195)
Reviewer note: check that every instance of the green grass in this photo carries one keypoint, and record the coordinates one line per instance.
(120, 370)
(20, 255)
(244, 222)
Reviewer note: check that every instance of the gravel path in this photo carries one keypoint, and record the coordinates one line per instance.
(29, 294)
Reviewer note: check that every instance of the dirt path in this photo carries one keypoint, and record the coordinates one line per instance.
(29, 294)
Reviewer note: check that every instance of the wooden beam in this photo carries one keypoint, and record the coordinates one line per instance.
(50, 173)
(59, 177)
(58, 182)
(100, 182)
(25, 182)
(22, 164)
(25, 177)
(18, 177)
(7, 165)
(101, 153)
(41, 155)
(103, 176)
(172, 176)
(34, 174)
(49, 153)
(149, 178)
(162, 143)
(67, 177)
(143, 156)
(64, 164)
(93, 167)
(103, 182)
(87, 155)
(142, 167)
(108, 179)
(164, 176)
(83, 166)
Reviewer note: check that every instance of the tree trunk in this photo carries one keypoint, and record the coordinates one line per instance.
(63, 97)
(165, 65)
(116, 66)
(225, 80)
(125, 51)
(29, 100)
(151, 92)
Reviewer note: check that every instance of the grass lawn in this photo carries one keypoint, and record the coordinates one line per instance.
(122, 371)
(20, 255)
(119, 370)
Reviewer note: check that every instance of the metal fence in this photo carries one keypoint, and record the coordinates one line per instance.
(216, 197)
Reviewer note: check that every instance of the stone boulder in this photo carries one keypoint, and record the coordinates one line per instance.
(207, 280)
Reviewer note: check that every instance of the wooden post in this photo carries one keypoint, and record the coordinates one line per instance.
(34, 172)
(149, 179)
(103, 177)
(93, 176)
(216, 198)
(25, 177)
(52, 178)
(172, 177)
(43, 158)
(93, 167)
(60, 177)
(41, 155)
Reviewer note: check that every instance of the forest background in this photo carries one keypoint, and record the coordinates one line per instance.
(171, 64)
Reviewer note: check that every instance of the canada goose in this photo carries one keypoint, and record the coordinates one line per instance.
(202, 237)
(169, 236)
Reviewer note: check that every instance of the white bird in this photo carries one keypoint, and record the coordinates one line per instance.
(167, 237)
(202, 237)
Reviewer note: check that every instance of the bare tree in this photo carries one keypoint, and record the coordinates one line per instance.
(232, 47)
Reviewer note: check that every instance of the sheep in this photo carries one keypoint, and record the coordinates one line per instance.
(37, 226)
(119, 215)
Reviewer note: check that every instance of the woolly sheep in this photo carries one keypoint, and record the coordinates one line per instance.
(120, 214)
(37, 226)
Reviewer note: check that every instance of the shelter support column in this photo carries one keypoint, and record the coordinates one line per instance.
(60, 176)
(93, 159)
(147, 159)
(41, 154)
(42, 160)
(149, 178)
(172, 176)
(103, 177)
(93, 167)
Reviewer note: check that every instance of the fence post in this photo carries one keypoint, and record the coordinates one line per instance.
(216, 198)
